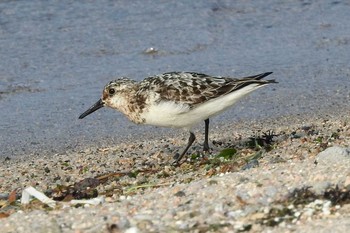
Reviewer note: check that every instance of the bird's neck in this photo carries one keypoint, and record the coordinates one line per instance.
(131, 105)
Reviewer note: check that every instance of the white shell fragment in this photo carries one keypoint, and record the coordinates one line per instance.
(32, 192)
(94, 201)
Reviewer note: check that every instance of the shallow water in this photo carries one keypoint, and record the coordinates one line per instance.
(56, 56)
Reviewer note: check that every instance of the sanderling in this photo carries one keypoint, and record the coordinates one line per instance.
(176, 99)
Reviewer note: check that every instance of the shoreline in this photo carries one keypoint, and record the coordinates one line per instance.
(146, 132)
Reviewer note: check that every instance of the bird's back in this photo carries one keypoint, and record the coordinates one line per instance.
(195, 88)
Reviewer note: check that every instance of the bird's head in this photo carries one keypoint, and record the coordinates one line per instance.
(112, 94)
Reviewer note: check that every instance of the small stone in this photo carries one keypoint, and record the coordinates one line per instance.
(180, 194)
(334, 155)
(347, 182)
(132, 230)
(257, 216)
(320, 187)
(150, 50)
(251, 164)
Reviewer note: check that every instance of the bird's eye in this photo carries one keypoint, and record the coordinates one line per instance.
(111, 91)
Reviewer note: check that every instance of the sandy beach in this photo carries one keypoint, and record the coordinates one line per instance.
(280, 185)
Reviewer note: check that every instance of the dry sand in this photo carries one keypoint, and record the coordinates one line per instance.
(282, 185)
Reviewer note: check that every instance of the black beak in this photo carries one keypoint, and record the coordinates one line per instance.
(99, 104)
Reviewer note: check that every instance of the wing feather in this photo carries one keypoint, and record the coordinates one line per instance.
(195, 88)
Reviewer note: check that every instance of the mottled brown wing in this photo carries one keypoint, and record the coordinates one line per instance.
(194, 88)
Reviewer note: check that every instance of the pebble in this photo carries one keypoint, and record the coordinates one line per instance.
(334, 155)
(132, 230)
(319, 187)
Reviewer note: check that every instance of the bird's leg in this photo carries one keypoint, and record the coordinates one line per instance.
(189, 143)
(206, 144)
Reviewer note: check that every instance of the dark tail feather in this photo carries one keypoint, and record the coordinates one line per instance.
(260, 76)
(263, 75)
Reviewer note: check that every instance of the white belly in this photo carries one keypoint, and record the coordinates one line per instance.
(171, 114)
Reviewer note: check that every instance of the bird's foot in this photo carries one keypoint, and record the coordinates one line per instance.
(175, 163)
(206, 147)
(177, 159)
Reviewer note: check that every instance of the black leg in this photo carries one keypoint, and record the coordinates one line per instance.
(189, 143)
(206, 143)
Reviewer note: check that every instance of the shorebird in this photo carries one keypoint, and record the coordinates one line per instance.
(176, 99)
